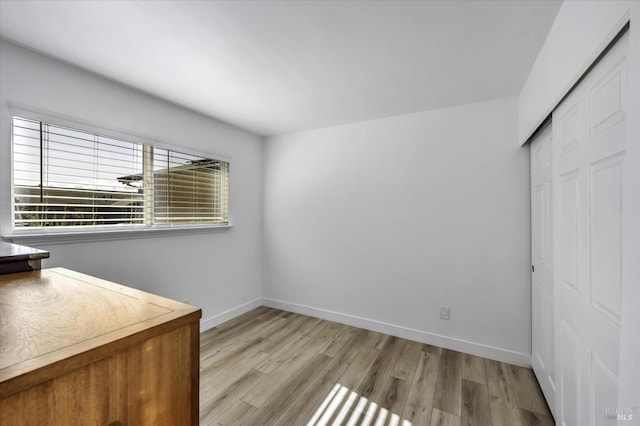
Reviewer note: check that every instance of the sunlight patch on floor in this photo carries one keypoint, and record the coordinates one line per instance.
(365, 411)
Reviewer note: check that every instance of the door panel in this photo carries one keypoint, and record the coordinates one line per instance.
(589, 153)
(606, 238)
(570, 379)
(542, 313)
(568, 232)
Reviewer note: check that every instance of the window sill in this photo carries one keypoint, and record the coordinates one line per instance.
(62, 237)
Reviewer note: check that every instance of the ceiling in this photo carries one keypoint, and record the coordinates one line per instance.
(277, 67)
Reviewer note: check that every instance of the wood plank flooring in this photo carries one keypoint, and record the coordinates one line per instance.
(271, 367)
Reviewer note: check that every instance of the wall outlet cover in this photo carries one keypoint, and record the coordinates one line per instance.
(444, 312)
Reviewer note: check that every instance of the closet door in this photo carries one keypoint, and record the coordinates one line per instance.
(589, 140)
(542, 295)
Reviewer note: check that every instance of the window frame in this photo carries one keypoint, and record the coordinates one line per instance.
(101, 232)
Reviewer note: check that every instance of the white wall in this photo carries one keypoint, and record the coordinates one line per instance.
(579, 34)
(379, 223)
(217, 271)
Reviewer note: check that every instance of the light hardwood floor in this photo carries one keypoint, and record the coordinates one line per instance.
(270, 367)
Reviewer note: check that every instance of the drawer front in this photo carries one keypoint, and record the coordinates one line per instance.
(151, 383)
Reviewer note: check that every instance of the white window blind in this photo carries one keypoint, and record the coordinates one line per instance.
(65, 177)
(189, 189)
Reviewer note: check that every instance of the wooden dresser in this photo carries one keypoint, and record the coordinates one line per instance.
(78, 350)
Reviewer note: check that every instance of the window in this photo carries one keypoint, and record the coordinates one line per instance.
(65, 178)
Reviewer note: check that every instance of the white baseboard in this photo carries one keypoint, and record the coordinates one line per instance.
(461, 345)
(208, 323)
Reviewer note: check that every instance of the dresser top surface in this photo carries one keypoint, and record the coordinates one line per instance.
(50, 315)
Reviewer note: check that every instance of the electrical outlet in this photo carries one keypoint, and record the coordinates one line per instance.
(444, 312)
(185, 301)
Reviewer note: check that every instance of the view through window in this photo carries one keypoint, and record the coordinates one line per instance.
(65, 177)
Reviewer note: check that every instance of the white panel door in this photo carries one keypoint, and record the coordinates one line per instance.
(589, 141)
(542, 295)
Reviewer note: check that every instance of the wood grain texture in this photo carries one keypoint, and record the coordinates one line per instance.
(405, 365)
(274, 407)
(449, 391)
(336, 344)
(358, 369)
(435, 350)
(473, 369)
(475, 404)
(232, 354)
(376, 340)
(442, 418)
(350, 349)
(227, 396)
(263, 391)
(287, 348)
(41, 314)
(214, 383)
(502, 399)
(310, 371)
(305, 406)
(149, 383)
(395, 394)
(527, 390)
(528, 418)
(372, 386)
(194, 375)
(503, 414)
(238, 413)
(80, 350)
(419, 404)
